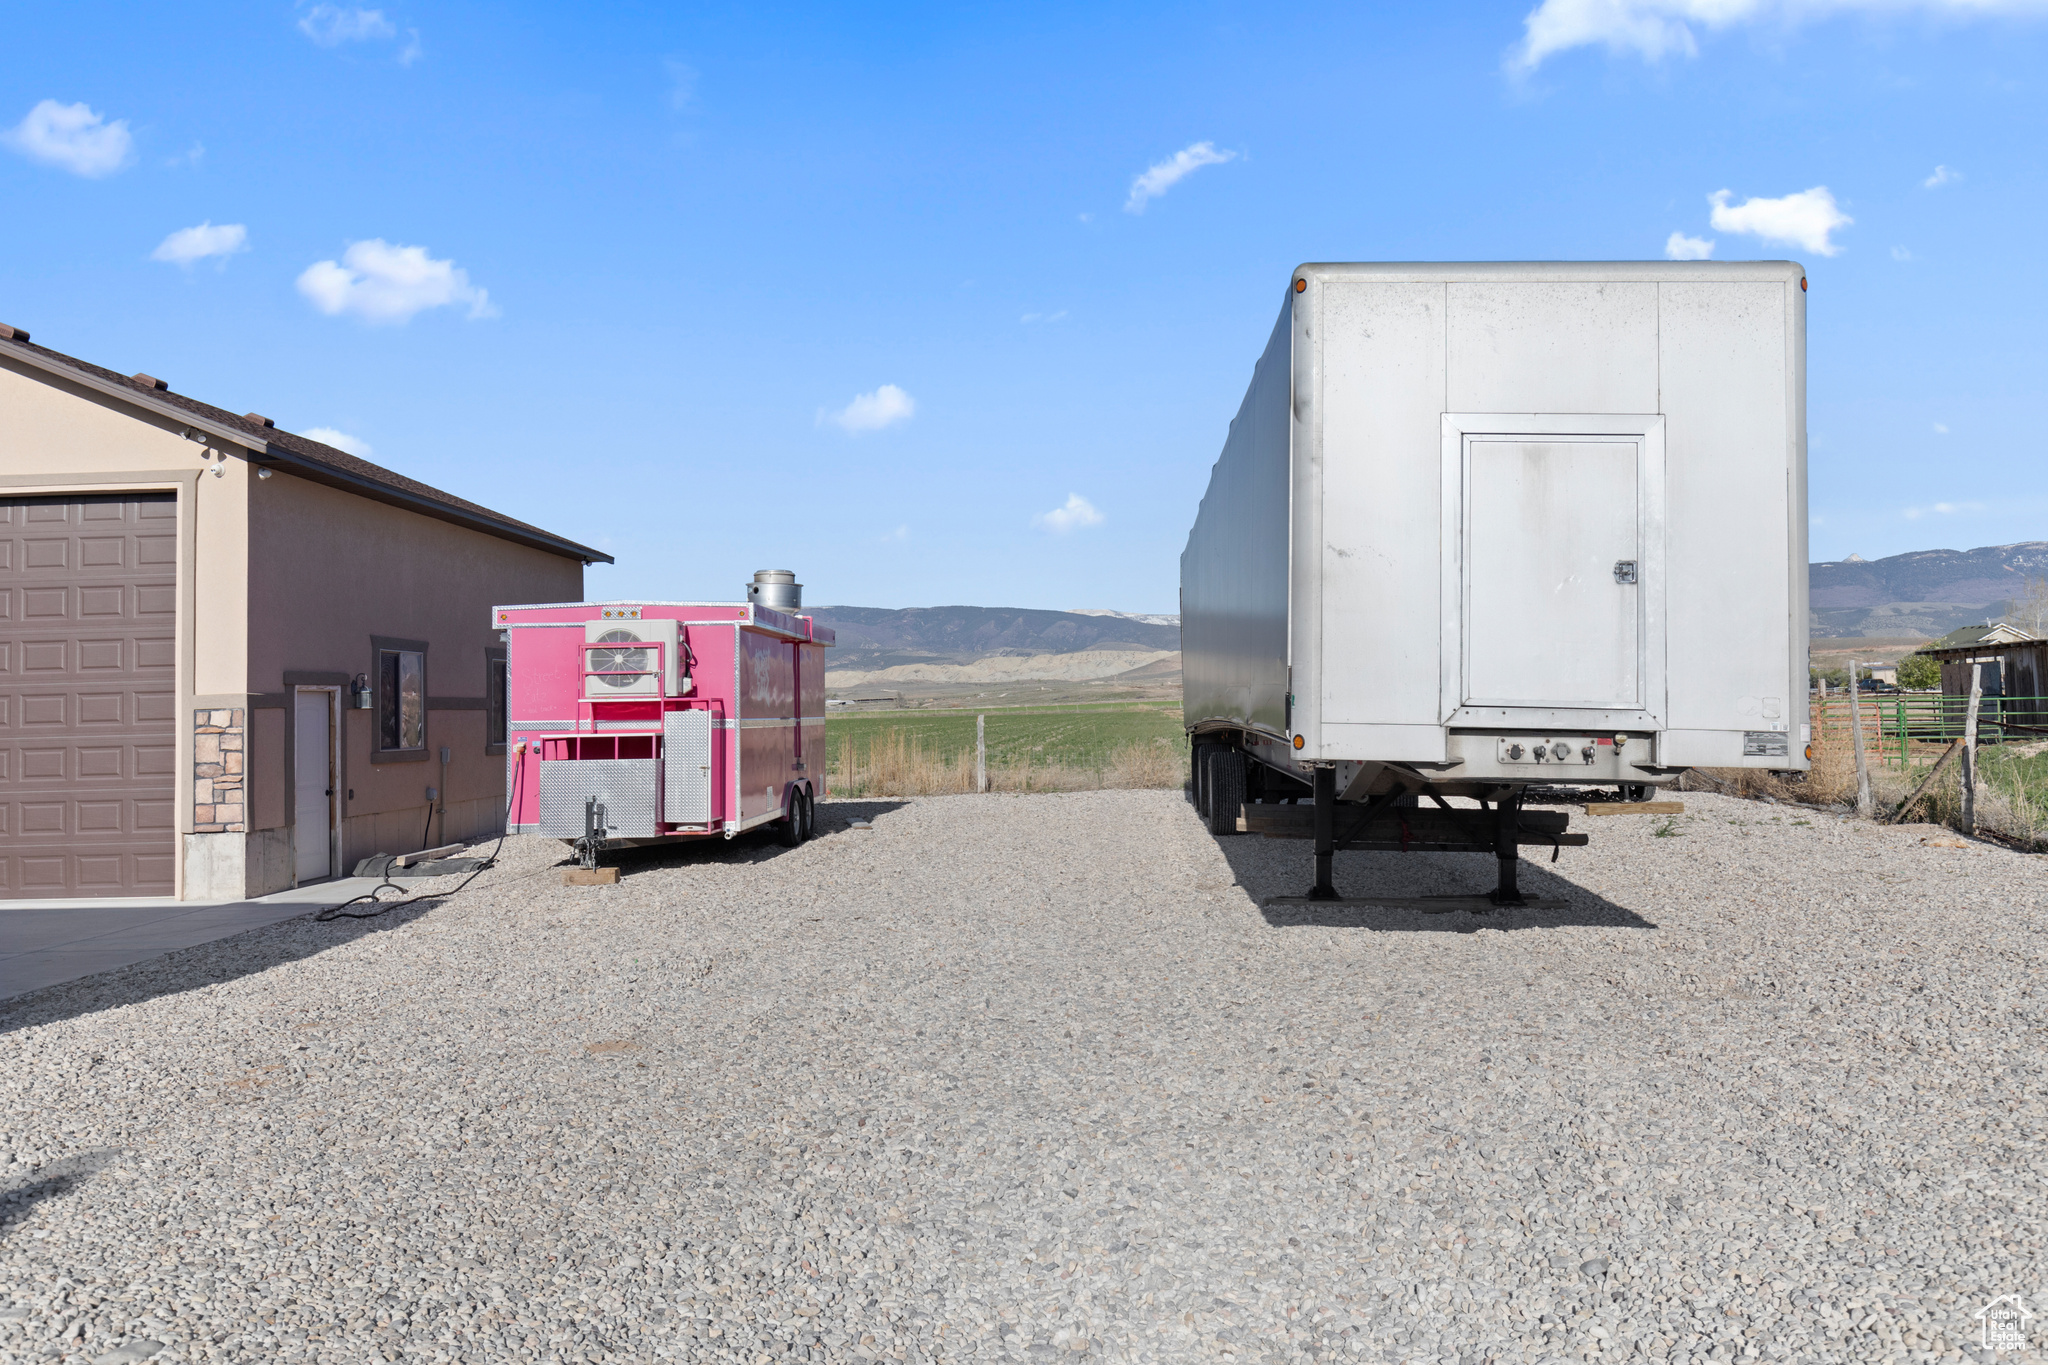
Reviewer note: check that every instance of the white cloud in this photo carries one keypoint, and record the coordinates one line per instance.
(191, 156)
(1679, 247)
(412, 51)
(1163, 176)
(379, 282)
(73, 137)
(891, 537)
(1900, 253)
(1804, 219)
(1075, 513)
(1940, 429)
(1030, 318)
(192, 244)
(340, 440)
(885, 407)
(1941, 509)
(1942, 176)
(333, 25)
(1655, 29)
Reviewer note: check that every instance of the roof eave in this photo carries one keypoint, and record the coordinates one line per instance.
(127, 393)
(274, 456)
(271, 455)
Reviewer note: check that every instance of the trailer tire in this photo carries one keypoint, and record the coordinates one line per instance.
(1225, 790)
(789, 830)
(1198, 777)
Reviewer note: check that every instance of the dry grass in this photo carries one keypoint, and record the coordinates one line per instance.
(897, 764)
(2008, 803)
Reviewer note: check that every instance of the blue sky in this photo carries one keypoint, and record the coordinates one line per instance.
(943, 306)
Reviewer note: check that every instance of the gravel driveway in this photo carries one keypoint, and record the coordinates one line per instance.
(1035, 1078)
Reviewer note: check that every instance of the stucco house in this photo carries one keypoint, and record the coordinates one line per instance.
(234, 660)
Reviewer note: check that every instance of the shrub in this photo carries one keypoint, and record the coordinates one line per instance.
(1917, 671)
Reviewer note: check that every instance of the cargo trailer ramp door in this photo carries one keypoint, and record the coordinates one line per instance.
(1558, 578)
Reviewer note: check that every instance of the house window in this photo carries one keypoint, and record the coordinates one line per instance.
(498, 685)
(402, 699)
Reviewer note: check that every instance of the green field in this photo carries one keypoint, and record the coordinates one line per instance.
(1077, 736)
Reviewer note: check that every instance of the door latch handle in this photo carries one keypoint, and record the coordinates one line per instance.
(1624, 571)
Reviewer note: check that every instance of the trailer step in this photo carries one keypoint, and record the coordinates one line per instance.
(1635, 808)
(1428, 905)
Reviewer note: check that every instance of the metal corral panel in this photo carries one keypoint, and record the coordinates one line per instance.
(686, 774)
(627, 788)
(1507, 497)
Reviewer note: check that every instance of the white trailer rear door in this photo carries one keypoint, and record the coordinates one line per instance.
(1554, 550)
(1548, 620)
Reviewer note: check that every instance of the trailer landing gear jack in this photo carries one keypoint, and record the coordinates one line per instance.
(1507, 814)
(1326, 834)
(594, 825)
(1507, 893)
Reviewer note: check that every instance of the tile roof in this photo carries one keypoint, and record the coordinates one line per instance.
(296, 454)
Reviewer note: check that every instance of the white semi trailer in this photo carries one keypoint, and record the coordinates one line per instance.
(1482, 526)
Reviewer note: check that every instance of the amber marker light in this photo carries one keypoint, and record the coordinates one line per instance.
(1301, 285)
(1809, 753)
(1802, 284)
(1300, 740)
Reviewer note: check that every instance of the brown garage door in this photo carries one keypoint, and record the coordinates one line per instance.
(88, 614)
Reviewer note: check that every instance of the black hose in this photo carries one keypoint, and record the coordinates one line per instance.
(386, 907)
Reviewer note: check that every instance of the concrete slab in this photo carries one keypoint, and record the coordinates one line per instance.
(48, 942)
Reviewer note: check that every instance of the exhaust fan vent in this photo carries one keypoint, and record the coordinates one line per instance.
(776, 589)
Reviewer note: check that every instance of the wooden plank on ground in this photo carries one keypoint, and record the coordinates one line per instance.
(1635, 808)
(425, 855)
(590, 876)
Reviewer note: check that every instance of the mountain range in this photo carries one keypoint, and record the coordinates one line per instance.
(872, 638)
(1922, 593)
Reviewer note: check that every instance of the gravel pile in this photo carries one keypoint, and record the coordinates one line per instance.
(1036, 1078)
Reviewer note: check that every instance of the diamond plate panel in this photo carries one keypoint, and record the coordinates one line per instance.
(686, 774)
(626, 787)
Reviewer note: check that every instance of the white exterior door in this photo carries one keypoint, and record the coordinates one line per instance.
(1550, 618)
(313, 794)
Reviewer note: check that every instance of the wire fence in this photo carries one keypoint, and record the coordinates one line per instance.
(1904, 728)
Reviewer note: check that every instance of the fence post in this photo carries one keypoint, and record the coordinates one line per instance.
(1863, 806)
(981, 753)
(1970, 750)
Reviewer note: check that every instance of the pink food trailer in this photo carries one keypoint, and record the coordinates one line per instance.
(645, 722)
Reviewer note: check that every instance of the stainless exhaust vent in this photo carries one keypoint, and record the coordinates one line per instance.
(776, 589)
